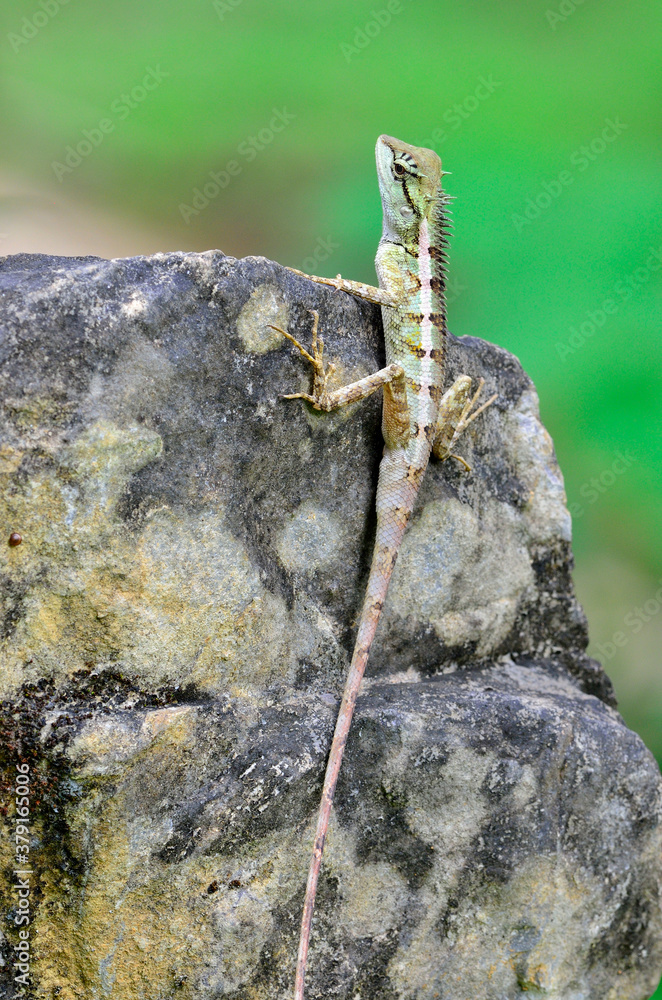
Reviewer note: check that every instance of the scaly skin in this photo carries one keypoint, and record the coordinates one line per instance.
(417, 417)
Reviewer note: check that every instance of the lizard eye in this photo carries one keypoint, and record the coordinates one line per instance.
(399, 169)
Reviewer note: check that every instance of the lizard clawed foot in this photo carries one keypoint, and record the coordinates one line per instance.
(467, 415)
(457, 422)
(458, 458)
(320, 373)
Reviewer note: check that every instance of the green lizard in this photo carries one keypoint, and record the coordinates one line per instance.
(418, 417)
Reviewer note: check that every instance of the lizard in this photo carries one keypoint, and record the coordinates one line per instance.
(418, 417)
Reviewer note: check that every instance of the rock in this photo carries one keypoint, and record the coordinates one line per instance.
(177, 622)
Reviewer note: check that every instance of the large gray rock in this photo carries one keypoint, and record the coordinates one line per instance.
(178, 620)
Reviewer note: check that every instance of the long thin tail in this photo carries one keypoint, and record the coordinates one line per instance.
(389, 535)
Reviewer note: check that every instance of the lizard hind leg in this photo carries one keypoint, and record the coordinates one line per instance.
(456, 412)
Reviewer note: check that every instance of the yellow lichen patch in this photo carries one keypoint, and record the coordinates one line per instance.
(513, 937)
(177, 601)
(192, 597)
(266, 306)
(144, 926)
(134, 937)
(139, 924)
(38, 507)
(311, 539)
(72, 551)
(10, 459)
(103, 458)
(28, 412)
(373, 899)
(69, 618)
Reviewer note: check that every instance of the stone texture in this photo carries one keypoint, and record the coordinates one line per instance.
(176, 625)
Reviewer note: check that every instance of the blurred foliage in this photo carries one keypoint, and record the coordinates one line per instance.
(547, 114)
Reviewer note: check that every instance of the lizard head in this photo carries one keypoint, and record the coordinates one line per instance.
(409, 183)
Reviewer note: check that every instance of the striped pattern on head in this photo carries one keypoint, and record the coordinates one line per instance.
(410, 186)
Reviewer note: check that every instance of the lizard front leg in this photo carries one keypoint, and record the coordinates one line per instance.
(380, 296)
(397, 283)
(392, 378)
(456, 411)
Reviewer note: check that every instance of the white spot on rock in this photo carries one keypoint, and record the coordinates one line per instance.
(530, 450)
(266, 306)
(465, 573)
(310, 540)
(135, 306)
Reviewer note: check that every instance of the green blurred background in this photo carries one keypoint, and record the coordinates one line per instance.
(115, 117)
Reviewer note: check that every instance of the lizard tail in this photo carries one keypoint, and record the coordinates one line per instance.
(391, 523)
